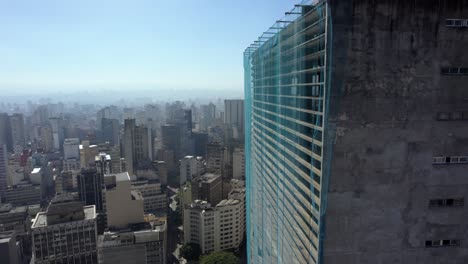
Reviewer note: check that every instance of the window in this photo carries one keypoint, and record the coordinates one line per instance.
(456, 22)
(450, 202)
(454, 71)
(443, 243)
(450, 160)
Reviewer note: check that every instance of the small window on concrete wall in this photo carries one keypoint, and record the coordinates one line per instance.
(450, 160)
(449, 202)
(443, 243)
(454, 71)
(456, 22)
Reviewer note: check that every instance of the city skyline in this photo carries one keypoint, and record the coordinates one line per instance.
(84, 46)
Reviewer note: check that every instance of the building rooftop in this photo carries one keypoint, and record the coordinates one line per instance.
(207, 177)
(41, 218)
(227, 202)
(36, 170)
(123, 176)
(9, 209)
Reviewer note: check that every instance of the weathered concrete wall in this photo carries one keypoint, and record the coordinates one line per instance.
(386, 92)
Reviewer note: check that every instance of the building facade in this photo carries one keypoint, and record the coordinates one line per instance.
(65, 233)
(355, 139)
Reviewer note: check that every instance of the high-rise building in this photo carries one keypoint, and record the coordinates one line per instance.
(154, 199)
(190, 167)
(5, 131)
(17, 132)
(215, 228)
(137, 145)
(3, 168)
(215, 157)
(90, 184)
(22, 194)
(123, 206)
(71, 148)
(354, 145)
(8, 248)
(145, 244)
(238, 164)
(65, 233)
(132, 236)
(110, 131)
(88, 154)
(208, 187)
(234, 114)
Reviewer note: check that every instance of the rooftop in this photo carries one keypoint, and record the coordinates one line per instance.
(227, 202)
(207, 177)
(41, 218)
(123, 176)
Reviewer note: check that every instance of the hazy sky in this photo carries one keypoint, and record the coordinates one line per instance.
(65, 45)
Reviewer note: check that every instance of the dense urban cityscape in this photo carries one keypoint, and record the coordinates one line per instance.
(348, 144)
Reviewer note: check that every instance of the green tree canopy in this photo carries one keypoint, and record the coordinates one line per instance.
(190, 251)
(220, 258)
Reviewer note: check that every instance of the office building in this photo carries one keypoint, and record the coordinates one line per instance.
(5, 131)
(57, 125)
(3, 168)
(208, 187)
(137, 145)
(46, 138)
(153, 198)
(71, 149)
(355, 128)
(90, 184)
(200, 140)
(110, 131)
(123, 206)
(238, 164)
(15, 219)
(190, 167)
(145, 244)
(215, 157)
(88, 153)
(8, 248)
(17, 132)
(234, 115)
(65, 233)
(22, 194)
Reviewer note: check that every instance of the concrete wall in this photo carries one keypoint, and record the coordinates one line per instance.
(382, 132)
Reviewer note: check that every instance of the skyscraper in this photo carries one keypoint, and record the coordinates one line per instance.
(90, 183)
(354, 143)
(3, 168)
(234, 114)
(110, 131)
(17, 132)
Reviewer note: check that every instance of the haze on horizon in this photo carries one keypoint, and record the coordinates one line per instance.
(66, 47)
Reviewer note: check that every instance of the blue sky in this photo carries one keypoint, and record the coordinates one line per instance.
(64, 45)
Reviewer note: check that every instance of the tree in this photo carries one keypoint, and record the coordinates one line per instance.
(220, 258)
(190, 251)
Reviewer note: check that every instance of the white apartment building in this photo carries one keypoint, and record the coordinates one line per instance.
(190, 167)
(217, 228)
(65, 233)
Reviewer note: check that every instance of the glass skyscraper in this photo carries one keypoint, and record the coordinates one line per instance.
(286, 105)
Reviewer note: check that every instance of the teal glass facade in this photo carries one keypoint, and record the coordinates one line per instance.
(286, 87)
